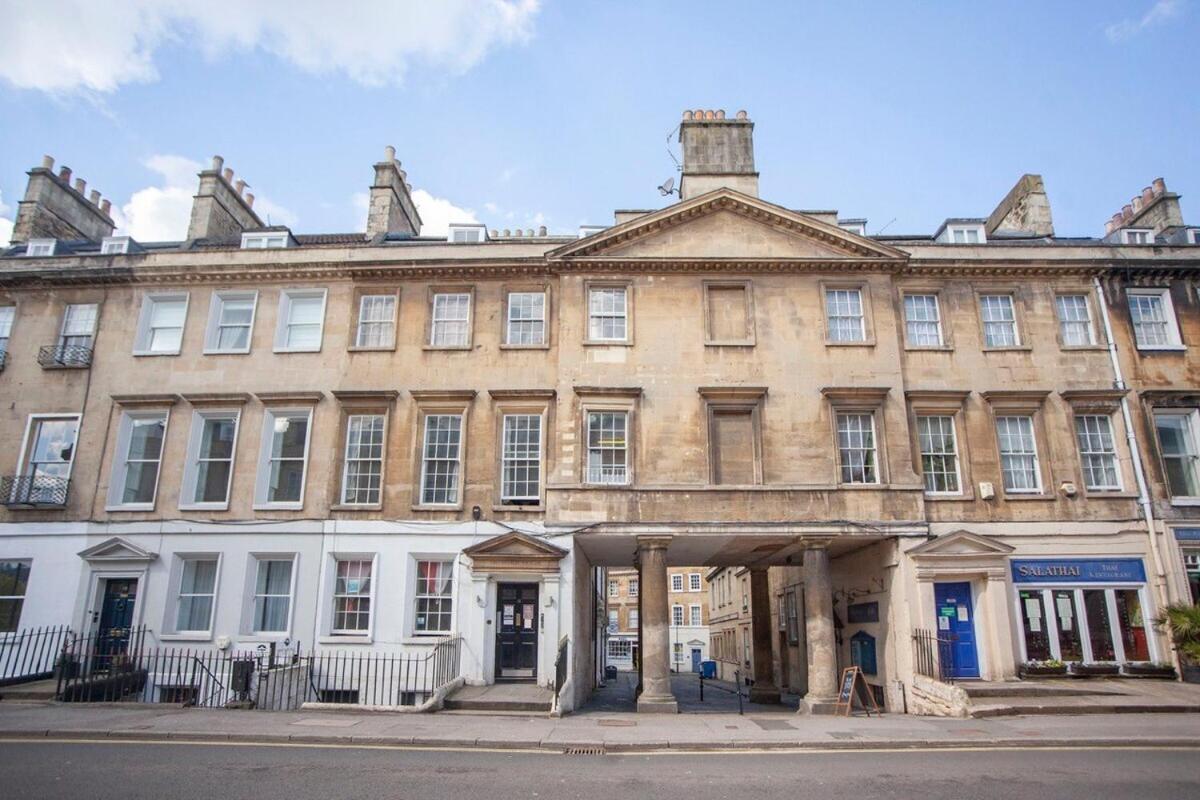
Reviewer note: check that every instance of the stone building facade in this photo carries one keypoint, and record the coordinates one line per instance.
(367, 441)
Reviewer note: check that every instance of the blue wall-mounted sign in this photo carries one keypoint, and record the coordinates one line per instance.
(1187, 534)
(1078, 570)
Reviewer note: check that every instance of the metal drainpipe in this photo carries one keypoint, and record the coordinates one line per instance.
(1164, 595)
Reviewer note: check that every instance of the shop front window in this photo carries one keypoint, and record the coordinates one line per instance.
(1132, 624)
(1070, 645)
(1095, 602)
(1033, 617)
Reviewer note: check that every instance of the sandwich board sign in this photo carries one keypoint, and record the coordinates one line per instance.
(853, 686)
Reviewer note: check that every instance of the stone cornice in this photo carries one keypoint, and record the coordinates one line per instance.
(521, 394)
(131, 400)
(276, 398)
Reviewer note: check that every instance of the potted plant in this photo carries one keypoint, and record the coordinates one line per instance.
(1147, 669)
(1050, 667)
(1182, 621)
(1093, 670)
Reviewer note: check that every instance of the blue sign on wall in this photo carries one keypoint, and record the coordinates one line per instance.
(1078, 570)
(1187, 534)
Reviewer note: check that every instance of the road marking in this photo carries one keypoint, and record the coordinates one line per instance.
(556, 752)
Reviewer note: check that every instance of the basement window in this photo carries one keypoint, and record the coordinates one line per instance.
(37, 248)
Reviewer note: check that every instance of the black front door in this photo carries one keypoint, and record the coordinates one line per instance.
(116, 618)
(517, 630)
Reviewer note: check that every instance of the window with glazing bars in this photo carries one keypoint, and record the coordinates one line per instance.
(376, 321)
(856, 448)
(197, 588)
(607, 314)
(1151, 321)
(1018, 454)
(440, 460)
(844, 313)
(451, 320)
(999, 320)
(939, 454)
(352, 596)
(695, 617)
(922, 320)
(1074, 320)
(526, 318)
(1097, 451)
(633, 587)
(676, 615)
(694, 582)
(676, 583)
(607, 447)
(362, 475)
(434, 597)
(521, 460)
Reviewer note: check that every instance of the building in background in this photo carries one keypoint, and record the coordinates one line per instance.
(623, 603)
(688, 598)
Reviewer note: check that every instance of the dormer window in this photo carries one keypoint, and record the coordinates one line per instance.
(856, 226)
(114, 246)
(966, 234)
(38, 248)
(1194, 236)
(1137, 236)
(265, 241)
(467, 234)
(587, 230)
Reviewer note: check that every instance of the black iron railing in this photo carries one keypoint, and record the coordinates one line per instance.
(30, 654)
(268, 677)
(34, 491)
(65, 356)
(933, 655)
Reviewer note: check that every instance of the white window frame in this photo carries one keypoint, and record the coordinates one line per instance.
(382, 460)
(181, 560)
(832, 292)
(448, 561)
(216, 308)
(425, 461)
(1087, 320)
(286, 298)
(40, 248)
(874, 449)
(262, 486)
(191, 466)
(1014, 322)
(336, 559)
(1037, 460)
(390, 342)
(677, 582)
(1194, 236)
(678, 619)
(957, 453)
(695, 584)
(8, 319)
(509, 319)
(1174, 342)
(695, 615)
(614, 587)
(269, 240)
(28, 562)
(622, 313)
(857, 228)
(535, 463)
(1111, 454)
(462, 233)
(1193, 417)
(90, 335)
(114, 246)
(145, 327)
(119, 474)
(1137, 236)
(954, 231)
(256, 559)
(435, 321)
(634, 587)
(632, 619)
(599, 478)
(27, 441)
(936, 321)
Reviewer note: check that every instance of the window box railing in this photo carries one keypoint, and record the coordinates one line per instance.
(65, 356)
(33, 491)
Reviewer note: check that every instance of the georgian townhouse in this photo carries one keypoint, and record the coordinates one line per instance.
(371, 441)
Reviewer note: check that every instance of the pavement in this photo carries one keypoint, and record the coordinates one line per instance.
(589, 730)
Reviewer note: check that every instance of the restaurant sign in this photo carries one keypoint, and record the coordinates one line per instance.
(1078, 570)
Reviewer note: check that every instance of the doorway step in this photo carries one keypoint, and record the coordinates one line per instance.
(501, 698)
(1094, 696)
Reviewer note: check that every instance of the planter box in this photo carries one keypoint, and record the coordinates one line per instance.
(1148, 671)
(1091, 670)
(1191, 673)
(1031, 671)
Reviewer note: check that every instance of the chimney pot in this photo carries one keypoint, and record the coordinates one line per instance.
(105, 207)
(507, 232)
(95, 197)
(65, 175)
(389, 153)
(698, 114)
(741, 115)
(1127, 212)
(529, 233)
(710, 114)
(720, 113)
(47, 162)
(542, 230)
(1116, 219)
(241, 186)
(1109, 226)
(228, 175)
(1136, 202)
(493, 233)
(250, 200)
(1159, 185)
(217, 163)
(81, 185)
(687, 115)
(1147, 196)
(518, 232)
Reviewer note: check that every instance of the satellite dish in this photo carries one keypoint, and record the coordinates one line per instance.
(668, 187)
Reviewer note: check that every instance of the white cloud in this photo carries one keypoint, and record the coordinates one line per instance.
(1159, 13)
(66, 46)
(437, 213)
(160, 213)
(6, 224)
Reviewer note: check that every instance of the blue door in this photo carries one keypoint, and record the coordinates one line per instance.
(695, 659)
(956, 622)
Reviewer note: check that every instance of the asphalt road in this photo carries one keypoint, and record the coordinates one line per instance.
(48, 769)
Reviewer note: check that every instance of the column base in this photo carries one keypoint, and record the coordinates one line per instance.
(657, 704)
(817, 705)
(764, 693)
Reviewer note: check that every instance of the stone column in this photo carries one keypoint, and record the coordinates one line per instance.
(764, 689)
(656, 696)
(822, 646)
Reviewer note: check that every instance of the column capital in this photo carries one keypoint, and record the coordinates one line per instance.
(653, 542)
(815, 543)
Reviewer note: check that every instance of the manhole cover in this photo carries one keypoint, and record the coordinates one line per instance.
(768, 724)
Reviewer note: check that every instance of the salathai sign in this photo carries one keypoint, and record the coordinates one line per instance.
(1078, 570)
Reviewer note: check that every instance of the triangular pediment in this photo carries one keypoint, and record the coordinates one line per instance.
(515, 545)
(962, 544)
(728, 225)
(117, 549)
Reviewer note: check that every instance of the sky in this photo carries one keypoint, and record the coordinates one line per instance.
(520, 113)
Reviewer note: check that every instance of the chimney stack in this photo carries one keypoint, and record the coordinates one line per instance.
(219, 212)
(717, 152)
(1154, 208)
(391, 208)
(53, 209)
(1026, 208)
